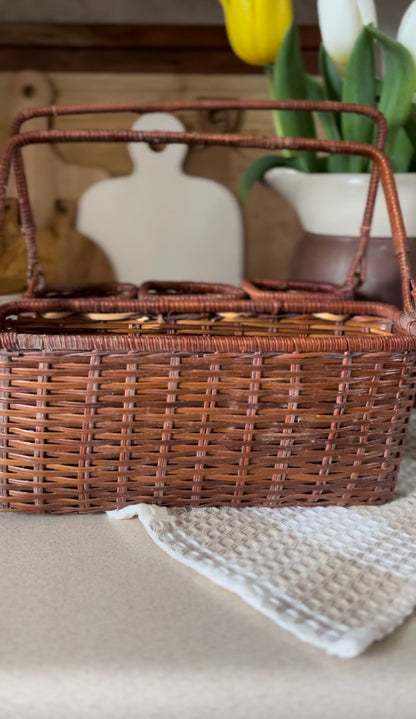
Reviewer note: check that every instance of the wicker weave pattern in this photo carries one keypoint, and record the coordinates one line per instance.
(92, 431)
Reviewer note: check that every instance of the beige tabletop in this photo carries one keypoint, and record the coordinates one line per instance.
(97, 622)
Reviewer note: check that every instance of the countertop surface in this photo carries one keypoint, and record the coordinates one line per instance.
(98, 623)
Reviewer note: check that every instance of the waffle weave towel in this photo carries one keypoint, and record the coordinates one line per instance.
(337, 578)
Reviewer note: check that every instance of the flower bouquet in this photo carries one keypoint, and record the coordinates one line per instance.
(358, 64)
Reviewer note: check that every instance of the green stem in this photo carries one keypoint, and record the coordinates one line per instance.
(277, 122)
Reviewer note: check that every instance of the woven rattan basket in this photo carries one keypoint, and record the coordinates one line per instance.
(202, 395)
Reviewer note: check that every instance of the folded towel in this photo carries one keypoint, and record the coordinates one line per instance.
(338, 578)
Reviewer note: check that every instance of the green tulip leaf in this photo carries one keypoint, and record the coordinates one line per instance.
(359, 87)
(256, 170)
(287, 80)
(398, 85)
(410, 126)
(402, 152)
(315, 91)
(332, 81)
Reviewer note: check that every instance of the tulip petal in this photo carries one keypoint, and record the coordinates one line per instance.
(256, 28)
(340, 24)
(407, 30)
(271, 20)
(368, 12)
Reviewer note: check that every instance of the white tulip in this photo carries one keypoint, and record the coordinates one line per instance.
(340, 22)
(407, 30)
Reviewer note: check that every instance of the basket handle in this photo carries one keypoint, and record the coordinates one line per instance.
(157, 137)
(203, 105)
(55, 136)
(356, 274)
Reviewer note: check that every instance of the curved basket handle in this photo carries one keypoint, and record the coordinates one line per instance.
(356, 274)
(203, 105)
(373, 153)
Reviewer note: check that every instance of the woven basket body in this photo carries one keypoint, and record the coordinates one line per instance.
(193, 396)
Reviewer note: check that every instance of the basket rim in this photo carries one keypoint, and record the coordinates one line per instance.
(191, 344)
(54, 341)
(290, 303)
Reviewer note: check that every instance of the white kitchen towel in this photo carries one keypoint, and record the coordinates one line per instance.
(338, 578)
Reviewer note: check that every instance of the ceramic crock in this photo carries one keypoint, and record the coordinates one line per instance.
(331, 208)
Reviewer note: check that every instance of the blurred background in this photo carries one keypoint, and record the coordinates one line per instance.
(159, 11)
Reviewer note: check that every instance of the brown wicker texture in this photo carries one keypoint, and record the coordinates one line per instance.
(200, 290)
(261, 289)
(179, 395)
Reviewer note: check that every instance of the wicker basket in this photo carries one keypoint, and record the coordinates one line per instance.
(191, 395)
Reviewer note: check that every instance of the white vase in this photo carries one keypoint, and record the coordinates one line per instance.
(331, 209)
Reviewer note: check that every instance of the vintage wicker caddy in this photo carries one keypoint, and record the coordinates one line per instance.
(188, 394)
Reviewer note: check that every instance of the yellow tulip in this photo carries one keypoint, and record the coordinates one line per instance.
(256, 28)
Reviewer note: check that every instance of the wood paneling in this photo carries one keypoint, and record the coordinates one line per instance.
(129, 48)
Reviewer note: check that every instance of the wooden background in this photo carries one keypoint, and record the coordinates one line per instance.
(81, 64)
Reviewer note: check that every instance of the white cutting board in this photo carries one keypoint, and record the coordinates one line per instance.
(160, 224)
